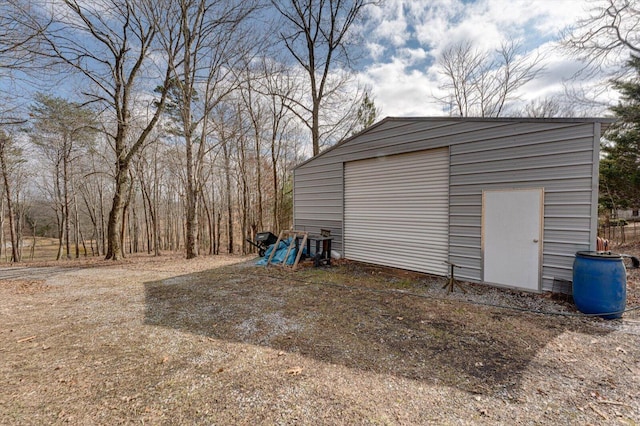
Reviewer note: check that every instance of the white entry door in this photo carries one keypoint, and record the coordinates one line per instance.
(512, 237)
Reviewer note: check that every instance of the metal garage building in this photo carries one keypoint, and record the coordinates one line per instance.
(509, 200)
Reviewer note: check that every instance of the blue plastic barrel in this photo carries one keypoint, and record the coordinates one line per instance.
(599, 283)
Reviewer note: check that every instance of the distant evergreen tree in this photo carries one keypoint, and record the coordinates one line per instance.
(620, 167)
(367, 114)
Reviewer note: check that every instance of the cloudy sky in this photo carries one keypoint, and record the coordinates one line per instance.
(404, 38)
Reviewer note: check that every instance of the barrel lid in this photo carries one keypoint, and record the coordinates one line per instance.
(599, 254)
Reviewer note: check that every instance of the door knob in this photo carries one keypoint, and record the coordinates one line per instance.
(535, 240)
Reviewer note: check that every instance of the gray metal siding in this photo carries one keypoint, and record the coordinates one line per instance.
(396, 210)
(314, 226)
(560, 157)
(317, 200)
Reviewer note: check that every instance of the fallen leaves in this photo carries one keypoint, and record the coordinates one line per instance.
(294, 371)
(598, 412)
(28, 286)
(130, 398)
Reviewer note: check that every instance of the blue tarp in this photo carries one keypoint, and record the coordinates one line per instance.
(280, 253)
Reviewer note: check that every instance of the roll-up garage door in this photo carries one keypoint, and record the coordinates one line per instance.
(396, 210)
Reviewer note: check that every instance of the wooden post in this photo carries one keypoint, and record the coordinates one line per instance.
(291, 245)
(302, 246)
(275, 247)
(294, 235)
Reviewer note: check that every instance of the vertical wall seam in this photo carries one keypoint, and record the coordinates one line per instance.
(595, 183)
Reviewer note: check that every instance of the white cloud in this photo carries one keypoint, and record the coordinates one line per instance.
(406, 37)
(411, 56)
(376, 50)
(390, 23)
(401, 93)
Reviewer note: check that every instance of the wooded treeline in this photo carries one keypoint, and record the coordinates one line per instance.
(61, 165)
(152, 125)
(187, 119)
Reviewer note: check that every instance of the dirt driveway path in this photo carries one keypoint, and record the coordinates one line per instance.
(33, 273)
(166, 341)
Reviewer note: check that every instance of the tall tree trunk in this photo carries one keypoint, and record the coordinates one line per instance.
(114, 225)
(103, 243)
(276, 186)
(147, 223)
(65, 188)
(315, 125)
(260, 223)
(155, 211)
(136, 229)
(15, 252)
(2, 239)
(60, 236)
(210, 233)
(191, 238)
(33, 242)
(227, 171)
(77, 227)
(218, 232)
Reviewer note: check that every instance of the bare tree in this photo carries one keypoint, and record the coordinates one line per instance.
(479, 83)
(94, 186)
(61, 129)
(603, 41)
(607, 36)
(254, 104)
(9, 158)
(113, 52)
(204, 40)
(542, 108)
(20, 31)
(278, 85)
(549, 107)
(316, 32)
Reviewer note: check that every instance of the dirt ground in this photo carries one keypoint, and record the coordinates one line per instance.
(217, 340)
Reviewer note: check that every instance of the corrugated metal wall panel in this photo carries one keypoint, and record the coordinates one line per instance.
(558, 159)
(566, 223)
(460, 188)
(396, 211)
(522, 174)
(418, 140)
(464, 240)
(564, 234)
(569, 159)
(565, 196)
(330, 203)
(465, 210)
(318, 202)
(555, 155)
(527, 134)
(313, 226)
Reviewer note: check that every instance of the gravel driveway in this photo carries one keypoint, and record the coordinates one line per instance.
(168, 341)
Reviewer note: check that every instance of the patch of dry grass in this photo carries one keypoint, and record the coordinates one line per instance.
(165, 340)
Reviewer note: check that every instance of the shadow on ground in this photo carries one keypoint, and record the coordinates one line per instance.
(472, 348)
